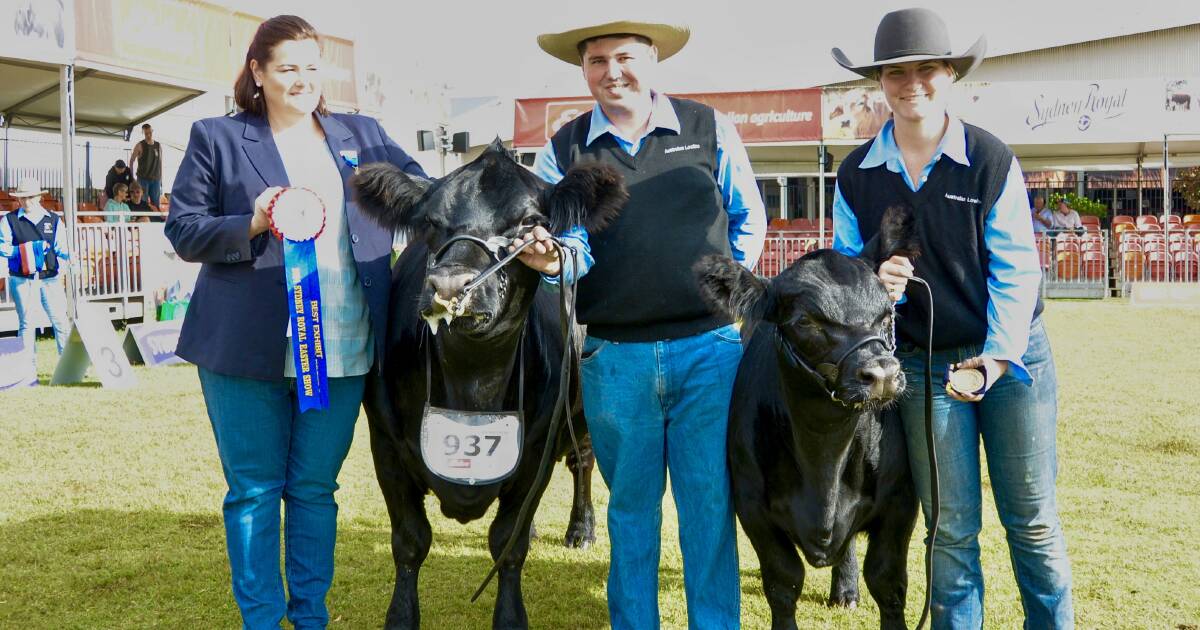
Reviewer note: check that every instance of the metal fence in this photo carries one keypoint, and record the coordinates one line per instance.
(782, 248)
(1074, 264)
(108, 263)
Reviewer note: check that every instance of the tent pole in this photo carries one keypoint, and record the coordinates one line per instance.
(821, 193)
(66, 92)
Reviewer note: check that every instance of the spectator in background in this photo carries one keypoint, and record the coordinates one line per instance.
(1065, 218)
(146, 161)
(117, 207)
(139, 203)
(29, 240)
(118, 174)
(1042, 219)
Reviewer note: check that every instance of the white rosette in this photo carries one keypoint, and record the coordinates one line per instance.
(969, 381)
(297, 214)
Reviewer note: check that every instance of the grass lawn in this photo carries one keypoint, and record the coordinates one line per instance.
(110, 507)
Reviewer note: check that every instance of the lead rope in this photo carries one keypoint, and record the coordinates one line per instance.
(552, 432)
(930, 446)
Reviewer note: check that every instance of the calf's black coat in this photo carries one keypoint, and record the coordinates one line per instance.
(814, 461)
(472, 356)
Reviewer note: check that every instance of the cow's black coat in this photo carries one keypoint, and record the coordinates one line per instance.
(493, 196)
(813, 459)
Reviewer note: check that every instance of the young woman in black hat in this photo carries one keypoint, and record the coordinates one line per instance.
(968, 197)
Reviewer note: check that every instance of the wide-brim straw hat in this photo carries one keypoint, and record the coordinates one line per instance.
(30, 187)
(668, 38)
(914, 35)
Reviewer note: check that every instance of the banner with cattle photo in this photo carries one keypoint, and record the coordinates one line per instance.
(761, 117)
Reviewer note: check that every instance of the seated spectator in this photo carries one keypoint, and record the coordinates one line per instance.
(117, 206)
(118, 174)
(1065, 218)
(1041, 215)
(139, 203)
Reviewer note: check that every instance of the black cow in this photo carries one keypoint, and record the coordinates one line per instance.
(473, 355)
(812, 458)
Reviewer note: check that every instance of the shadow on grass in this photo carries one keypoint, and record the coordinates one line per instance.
(116, 569)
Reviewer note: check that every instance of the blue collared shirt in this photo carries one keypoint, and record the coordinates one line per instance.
(1014, 273)
(735, 178)
(8, 249)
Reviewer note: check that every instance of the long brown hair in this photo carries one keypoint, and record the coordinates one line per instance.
(280, 28)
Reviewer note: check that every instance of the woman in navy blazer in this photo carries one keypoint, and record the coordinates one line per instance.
(237, 325)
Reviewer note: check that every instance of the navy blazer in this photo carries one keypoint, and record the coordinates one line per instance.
(237, 321)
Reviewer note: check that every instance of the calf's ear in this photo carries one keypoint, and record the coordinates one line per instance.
(590, 195)
(387, 194)
(897, 236)
(730, 289)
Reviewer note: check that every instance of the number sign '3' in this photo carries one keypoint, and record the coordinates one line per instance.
(471, 447)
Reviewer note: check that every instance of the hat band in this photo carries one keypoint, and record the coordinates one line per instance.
(895, 54)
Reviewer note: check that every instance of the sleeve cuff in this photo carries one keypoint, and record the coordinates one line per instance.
(1015, 367)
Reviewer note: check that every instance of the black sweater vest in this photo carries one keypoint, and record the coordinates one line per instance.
(641, 287)
(24, 232)
(951, 210)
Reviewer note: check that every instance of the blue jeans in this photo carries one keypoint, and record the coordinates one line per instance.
(653, 407)
(270, 451)
(1017, 425)
(28, 293)
(153, 190)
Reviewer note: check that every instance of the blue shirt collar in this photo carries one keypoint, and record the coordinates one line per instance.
(662, 116)
(884, 149)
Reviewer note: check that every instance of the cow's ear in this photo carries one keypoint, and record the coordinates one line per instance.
(731, 289)
(897, 236)
(590, 195)
(387, 194)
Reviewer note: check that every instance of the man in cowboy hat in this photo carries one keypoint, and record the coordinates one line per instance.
(657, 365)
(980, 261)
(32, 242)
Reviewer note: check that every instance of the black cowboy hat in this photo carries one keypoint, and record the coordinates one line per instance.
(914, 35)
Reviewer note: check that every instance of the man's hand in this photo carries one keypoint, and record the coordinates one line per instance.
(542, 256)
(895, 272)
(261, 222)
(993, 369)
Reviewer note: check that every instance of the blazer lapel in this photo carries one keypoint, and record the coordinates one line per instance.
(259, 145)
(343, 145)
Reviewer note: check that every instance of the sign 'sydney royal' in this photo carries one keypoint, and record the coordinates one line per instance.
(760, 117)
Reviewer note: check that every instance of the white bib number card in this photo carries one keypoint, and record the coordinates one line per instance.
(470, 447)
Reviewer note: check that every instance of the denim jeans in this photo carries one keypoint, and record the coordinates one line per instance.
(1017, 425)
(28, 293)
(653, 407)
(271, 452)
(152, 189)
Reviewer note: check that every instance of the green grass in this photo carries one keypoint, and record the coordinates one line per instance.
(110, 507)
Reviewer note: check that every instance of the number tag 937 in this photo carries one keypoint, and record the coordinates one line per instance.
(471, 447)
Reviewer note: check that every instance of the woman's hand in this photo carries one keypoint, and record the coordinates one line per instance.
(993, 369)
(261, 221)
(895, 272)
(542, 255)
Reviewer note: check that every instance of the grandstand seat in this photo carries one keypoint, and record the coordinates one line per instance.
(1132, 265)
(777, 224)
(1087, 219)
(1156, 266)
(1154, 246)
(1174, 219)
(1093, 266)
(1144, 219)
(1091, 245)
(1187, 266)
(1191, 218)
(1129, 246)
(1123, 218)
(1122, 228)
(8, 205)
(802, 224)
(1066, 265)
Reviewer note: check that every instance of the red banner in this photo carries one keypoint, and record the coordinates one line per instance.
(760, 117)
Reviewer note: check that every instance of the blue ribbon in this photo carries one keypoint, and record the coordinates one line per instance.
(308, 337)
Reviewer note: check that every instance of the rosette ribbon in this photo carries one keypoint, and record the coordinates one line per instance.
(298, 218)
